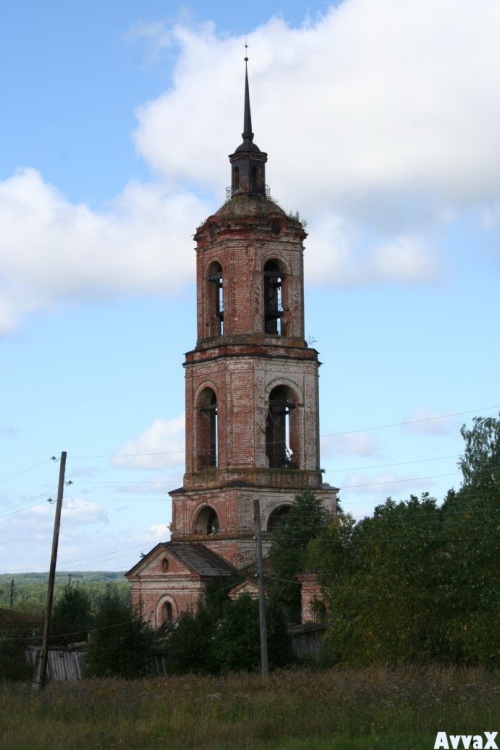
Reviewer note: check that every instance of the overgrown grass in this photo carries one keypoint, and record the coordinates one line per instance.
(295, 710)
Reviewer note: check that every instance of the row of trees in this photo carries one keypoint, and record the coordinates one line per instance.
(419, 581)
(222, 636)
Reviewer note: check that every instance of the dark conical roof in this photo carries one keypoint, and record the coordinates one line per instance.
(247, 135)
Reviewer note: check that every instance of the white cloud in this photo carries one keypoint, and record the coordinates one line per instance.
(157, 532)
(426, 421)
(403, 259)
(74, 512)
(381, 123)
(158, 447)
(337, 255)
(349, 444)
(77, 512)
(388, 102)
(53, 251)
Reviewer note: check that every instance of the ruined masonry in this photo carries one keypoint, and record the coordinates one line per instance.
(252, 416)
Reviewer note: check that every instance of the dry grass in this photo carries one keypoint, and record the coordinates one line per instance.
(296, 710)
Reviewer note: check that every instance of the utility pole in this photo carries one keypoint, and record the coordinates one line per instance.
(262, 594)
(52, 577)
(12, 593)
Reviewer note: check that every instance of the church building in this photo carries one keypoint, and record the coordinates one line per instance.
(252, 407)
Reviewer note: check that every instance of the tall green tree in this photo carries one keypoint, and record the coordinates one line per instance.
(473, 527)
(190, 644)
(306, 520)
(121, 644)
(480, 463)
(224, 636)
(236, 640)
(419, 582)
(71, 616)
(383, 576)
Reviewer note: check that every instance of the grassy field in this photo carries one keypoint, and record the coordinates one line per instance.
(296, 710)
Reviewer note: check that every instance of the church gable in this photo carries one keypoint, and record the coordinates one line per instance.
(160, 562)
(171, 560)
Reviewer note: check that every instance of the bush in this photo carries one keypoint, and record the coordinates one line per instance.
(189, 649)
(121, 643)
(71, 616)
(236, 642)
(14, 640)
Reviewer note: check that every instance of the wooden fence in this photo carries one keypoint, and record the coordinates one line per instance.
(64, 664)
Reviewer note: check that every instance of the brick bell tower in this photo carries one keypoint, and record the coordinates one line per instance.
(252, 414)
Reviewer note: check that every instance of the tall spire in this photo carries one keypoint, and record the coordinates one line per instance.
(247, 134)
(248, 161)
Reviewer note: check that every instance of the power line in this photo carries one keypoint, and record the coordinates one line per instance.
(66, 635)
(398, 481)
(25, 471)
(333, 434)
(413, 421)
(21, 509)
(398, 463)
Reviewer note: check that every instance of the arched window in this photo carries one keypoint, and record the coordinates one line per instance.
(215, 293)
(281, 432)
(277, 517)
(168, 613)
(207, 521)
(273, 298)
(207, 429)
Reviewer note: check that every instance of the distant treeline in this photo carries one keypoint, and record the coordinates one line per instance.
(30, 589)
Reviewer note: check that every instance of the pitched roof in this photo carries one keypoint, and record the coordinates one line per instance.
(195, 555)
(201, 559)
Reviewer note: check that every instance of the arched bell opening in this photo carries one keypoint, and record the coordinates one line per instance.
(273, 298)
(282, 444)
(215, 300)
(207, 429)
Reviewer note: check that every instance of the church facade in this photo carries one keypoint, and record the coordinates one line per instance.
(252, 406)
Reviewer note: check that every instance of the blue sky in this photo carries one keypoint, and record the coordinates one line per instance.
(381, 123)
